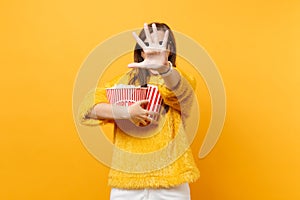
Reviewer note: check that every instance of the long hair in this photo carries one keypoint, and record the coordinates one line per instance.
(140, 76)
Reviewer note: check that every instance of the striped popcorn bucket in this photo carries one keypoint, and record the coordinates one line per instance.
(155, 100)
(124, 95)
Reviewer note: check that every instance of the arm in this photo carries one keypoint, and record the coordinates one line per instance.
(181, 96)
(90, 100)
(171, 77)
(176, 91)
(105, 111)
(134, 113)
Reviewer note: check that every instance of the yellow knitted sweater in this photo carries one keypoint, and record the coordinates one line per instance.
(161, 160)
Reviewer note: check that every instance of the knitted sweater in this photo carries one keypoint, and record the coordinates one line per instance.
(161, 159)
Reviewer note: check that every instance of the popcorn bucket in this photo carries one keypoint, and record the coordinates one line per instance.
(126, 95)
(155, 100)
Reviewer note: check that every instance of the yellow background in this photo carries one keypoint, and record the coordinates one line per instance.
(255, 45)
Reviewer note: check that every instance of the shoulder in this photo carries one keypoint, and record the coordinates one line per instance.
(189, 77)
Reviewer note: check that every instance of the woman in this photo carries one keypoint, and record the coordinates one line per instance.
(160, 165)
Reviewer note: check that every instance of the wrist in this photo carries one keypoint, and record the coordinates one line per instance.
(164, 68)
(168, 71)
(120, 112)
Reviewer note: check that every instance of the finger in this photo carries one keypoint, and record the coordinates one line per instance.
(136, 65)
(143, 117)
(154, 122)
(144, 122)
(153, 113)
(165, 41)
(134, 121)
(143, 65)
(138, 120)
(142, 102)
(155, 34)
(147, 33)
(138, 40)
(149, 120)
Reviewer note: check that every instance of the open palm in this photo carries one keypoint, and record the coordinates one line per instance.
(155, 54)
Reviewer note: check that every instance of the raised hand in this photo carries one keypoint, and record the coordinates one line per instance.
(155, 53)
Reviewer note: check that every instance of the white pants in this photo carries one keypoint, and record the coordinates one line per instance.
(180, 192)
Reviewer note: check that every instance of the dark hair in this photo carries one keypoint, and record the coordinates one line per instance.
(142, 75)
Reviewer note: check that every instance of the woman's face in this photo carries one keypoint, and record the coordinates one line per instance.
(160, 35)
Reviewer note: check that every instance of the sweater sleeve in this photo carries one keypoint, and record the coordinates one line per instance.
(93, 97)
(181, 97)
